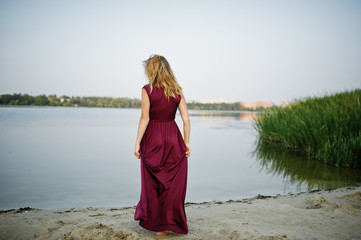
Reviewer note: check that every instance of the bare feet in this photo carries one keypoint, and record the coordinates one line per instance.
(164, 233)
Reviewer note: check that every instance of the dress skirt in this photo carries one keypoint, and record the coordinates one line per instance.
(163, 178)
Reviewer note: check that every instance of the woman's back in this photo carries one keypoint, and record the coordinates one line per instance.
(161, 108)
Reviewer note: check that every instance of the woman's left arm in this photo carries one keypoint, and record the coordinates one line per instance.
(143, 122)
(186, 123)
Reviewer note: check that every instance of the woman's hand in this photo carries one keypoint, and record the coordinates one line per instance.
(136, 151)
(188, 152)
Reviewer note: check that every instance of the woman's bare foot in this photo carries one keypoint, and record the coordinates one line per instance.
(164, 233)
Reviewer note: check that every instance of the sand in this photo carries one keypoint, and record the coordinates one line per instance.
(330, 214)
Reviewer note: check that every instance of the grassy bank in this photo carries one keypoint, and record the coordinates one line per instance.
(324, 128)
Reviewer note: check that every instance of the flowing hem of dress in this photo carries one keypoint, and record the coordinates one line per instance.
(160, 228)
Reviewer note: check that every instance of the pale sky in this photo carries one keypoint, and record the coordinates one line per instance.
(247, 51)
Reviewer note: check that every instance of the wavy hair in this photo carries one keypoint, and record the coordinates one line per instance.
(161, 75)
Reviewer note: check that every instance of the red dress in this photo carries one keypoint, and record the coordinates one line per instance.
(163, 168)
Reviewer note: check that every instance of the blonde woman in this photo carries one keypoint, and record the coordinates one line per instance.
(163, 151)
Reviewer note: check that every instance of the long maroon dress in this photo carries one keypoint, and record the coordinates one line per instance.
(163, 168)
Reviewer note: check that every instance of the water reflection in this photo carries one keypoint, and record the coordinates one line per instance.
(224, 119)
(298, 170)
(226, 115)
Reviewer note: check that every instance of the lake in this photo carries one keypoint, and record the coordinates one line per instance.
(58, 157)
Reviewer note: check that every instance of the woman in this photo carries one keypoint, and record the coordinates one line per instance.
(163, 151)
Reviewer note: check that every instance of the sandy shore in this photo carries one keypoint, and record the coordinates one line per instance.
(333, 214)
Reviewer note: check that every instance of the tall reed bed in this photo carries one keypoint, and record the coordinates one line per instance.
(324, 128)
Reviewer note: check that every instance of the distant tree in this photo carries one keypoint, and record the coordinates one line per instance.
(41, 100)
(5, 99)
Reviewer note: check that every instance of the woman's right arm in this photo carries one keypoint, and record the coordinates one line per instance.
(186, 123)
(143, 122)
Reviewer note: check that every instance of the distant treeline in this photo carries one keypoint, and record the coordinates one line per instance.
(108, 102)
(53, 100)
(216, 106)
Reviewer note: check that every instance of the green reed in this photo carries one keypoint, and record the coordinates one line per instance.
(324, 128)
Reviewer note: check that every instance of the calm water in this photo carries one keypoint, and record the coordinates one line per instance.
(81, 157)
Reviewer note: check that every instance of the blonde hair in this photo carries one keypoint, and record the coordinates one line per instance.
(161, 75)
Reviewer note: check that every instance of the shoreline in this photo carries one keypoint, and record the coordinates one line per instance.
(243, 200)
(324, 214)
